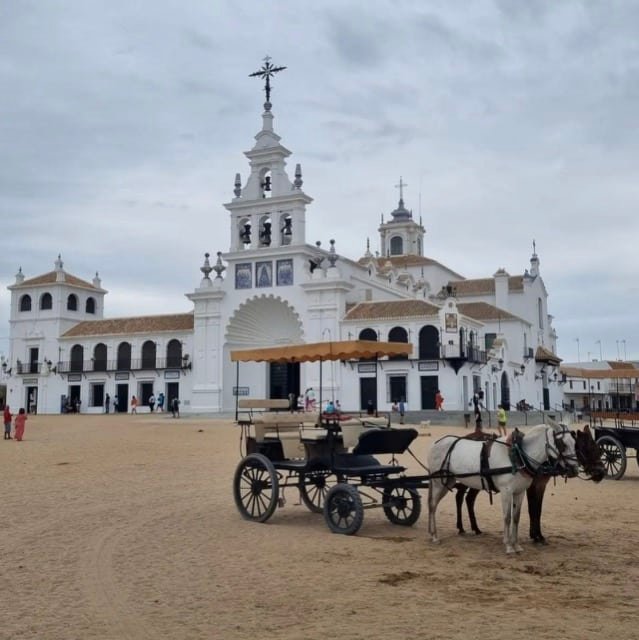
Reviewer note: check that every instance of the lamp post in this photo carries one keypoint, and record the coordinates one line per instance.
(600, 356)
(625, 356)
(578, 352)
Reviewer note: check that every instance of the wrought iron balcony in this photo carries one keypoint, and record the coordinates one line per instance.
(457, 355)
(26, 368)
(123, 364)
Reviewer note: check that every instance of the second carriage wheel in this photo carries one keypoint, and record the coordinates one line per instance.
(343, 509)
(402, 505)
(315, 483)
(256, 488)
(613, 456)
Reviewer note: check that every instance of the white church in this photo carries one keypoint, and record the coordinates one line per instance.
(271, 287)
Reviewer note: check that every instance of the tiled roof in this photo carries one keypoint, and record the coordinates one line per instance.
(601, 374)
(399, 262)
(618, 364)
(483, 286)
(51, 278)
(545, 355)
(140, 324)
(391, 309)
(484, 311)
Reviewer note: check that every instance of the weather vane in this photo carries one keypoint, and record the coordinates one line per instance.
(267, 71)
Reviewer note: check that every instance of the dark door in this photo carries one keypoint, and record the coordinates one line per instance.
(33, 360)
(367, 393)
(172, 391)
(505, 392)
(74, 395)
(284, 379)
(122, 394)
(430, 384)
(546, 399)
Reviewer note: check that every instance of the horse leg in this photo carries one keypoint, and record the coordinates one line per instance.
(470, 505)
(507, 510)
(535, 494)
(436, 491)
(459, 502)
(518, 500)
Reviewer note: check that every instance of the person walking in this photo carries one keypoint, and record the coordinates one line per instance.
(107, 403)
(161, 402)
(151, 402)
(501, 420)
(402, 410)
(116, 404)
(134, 404)
(21, 418)
(7, 422)
(175, 407)
(439, 401)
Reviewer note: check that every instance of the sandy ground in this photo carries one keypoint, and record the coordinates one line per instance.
(125, 528)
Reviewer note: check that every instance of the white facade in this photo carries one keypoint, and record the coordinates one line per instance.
(271, 287)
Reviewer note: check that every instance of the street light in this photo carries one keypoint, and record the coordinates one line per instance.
(625, 356)
(600, 356)
(578, 353)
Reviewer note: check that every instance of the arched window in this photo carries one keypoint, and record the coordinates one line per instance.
(124, 356)
(396, 246)
(46, 301)
(90, 305)
(72, 302)
(174, 353)
(25, 303)
(100, 357)
(398, 334)
(148, 355)
(77, 358)
(368, 334)
(428, 343)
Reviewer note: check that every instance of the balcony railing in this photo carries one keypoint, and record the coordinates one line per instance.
(23, 368)
(467, 352)
(133, 364)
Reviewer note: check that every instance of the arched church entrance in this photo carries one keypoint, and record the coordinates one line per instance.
(264, 321)
(505, 391)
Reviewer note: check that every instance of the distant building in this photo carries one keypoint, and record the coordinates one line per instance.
(272, 287)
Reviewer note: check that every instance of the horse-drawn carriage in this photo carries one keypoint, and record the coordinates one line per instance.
(331, 459)
(615, 439)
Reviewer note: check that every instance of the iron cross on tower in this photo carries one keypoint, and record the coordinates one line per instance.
(267, 72)
(401, 186)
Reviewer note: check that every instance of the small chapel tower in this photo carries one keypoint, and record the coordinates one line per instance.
(401, 236)
(268, 210)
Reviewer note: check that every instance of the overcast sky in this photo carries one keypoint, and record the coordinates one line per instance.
(122, 125)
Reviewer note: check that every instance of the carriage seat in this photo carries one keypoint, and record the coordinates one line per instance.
(374, 441)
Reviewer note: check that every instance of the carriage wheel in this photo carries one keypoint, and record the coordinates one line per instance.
(613, 456)
(256, 488)
(343, 509)
(314, 487)
(402, 506)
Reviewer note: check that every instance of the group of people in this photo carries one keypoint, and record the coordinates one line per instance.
(18, 424)
(158, 404)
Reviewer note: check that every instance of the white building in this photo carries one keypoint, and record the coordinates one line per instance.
(271, 287)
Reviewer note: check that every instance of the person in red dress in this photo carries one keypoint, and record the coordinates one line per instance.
(21, 418)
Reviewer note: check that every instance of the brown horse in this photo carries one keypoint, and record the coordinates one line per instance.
(589, 458)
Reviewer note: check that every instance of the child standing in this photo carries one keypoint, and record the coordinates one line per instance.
(21, 418)
(7, 423)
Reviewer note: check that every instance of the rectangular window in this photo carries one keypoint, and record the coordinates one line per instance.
(598, 385)
(584, 383)
(97, 394)
(489, 339)
(284, 275)
(570, 383)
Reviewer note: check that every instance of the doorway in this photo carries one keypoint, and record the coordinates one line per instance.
(429, 385)
(31, 400)
(367, 393)
(284, 378)
(74, 396)
(121, 400)
(172, 391)
(397, 386)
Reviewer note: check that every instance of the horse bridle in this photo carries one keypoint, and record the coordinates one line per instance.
(556, 451)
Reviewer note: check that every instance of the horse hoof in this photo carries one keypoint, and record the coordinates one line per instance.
(519, 549)
(461, 532)
(477, 532)
(509, 550)
(434, 540)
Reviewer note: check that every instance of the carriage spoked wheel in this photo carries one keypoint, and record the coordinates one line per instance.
(613, 456)
(315, 483)
(343, 509)
(256, 488)
(402, 505)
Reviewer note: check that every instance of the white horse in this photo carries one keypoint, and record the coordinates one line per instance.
(452, 459)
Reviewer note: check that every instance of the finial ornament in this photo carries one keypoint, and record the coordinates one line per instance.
(332, 256)
(534, 247)
(298, 176)
(238, 185)
(219, 268)
(206, 267)
(267, 71)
